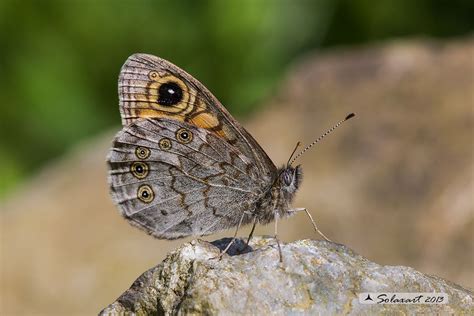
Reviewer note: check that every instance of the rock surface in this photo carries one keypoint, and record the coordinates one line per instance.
(316, 277)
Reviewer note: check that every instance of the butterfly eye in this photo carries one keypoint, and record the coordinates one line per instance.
(145, 193)
(184, 136)
(169, 93)
(139, 169)
(165, 144)
(287, 178)
(142, 152)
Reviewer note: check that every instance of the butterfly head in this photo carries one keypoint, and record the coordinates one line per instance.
(290, 178)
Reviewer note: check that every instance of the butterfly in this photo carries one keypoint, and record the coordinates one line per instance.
(182, 165)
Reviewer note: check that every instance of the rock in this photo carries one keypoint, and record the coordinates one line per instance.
(316, 277)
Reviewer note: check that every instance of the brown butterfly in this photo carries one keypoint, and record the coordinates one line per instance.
(182, 165)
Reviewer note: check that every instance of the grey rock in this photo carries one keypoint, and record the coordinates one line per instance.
(315, 277)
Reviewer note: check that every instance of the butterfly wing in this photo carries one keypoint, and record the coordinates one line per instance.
(173, 179)
(153, 87)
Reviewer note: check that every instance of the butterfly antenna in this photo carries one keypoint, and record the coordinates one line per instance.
(294, 150)
(321, 137)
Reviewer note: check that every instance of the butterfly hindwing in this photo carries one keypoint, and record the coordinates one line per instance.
(174, 179)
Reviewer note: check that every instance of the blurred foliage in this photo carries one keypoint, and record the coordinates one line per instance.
(60, 59)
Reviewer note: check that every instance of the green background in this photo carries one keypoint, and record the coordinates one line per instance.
(59, 60)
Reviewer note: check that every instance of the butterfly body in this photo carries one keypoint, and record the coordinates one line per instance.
(182, 165)
(277, 199)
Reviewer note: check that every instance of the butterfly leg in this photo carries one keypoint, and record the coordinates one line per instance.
(251, 232)
(276, 235)
(312, 221)
(233, 238)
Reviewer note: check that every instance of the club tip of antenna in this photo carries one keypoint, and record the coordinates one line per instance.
(349, 116)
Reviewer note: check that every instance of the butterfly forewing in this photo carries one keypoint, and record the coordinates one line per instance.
(153, 87)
